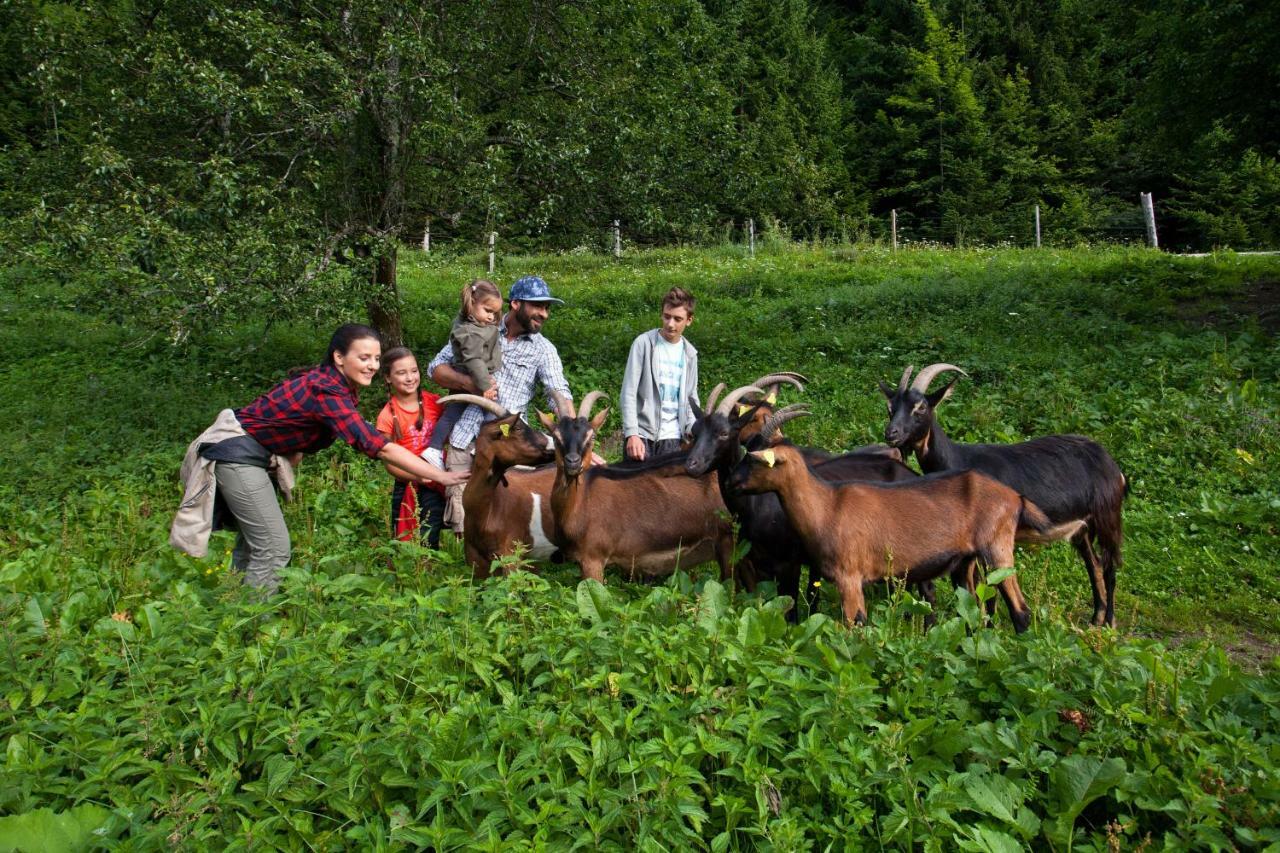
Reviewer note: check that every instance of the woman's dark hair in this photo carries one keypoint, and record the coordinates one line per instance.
(389, 358)
(346, 335)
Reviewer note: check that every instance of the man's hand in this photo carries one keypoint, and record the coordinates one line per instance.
(635, 447)
(597, 459)
(492, 393)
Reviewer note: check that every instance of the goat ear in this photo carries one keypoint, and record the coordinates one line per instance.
(599, 419)
(887, 390)
(768, 457)
(505, 429)
(746, 413)
(942, 393)
(548, 422)
(696, 409)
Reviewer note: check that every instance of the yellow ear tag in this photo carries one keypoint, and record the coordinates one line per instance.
(769, 458)
(772, 398)
(505, 429)
(742, 410)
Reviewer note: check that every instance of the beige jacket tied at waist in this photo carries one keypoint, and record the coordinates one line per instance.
(193, 522)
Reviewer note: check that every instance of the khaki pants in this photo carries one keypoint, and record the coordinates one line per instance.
(456, 460)
(263, 544)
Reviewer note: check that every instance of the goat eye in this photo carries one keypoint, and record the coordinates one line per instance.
(919, 409)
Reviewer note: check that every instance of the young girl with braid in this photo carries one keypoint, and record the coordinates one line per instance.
(408, 419)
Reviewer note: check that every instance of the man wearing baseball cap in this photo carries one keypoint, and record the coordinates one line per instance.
(528, 360)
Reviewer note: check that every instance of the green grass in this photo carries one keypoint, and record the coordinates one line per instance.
(419, 708)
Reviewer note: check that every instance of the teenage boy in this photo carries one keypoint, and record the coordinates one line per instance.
(661, 378)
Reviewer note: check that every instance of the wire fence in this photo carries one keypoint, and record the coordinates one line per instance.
(1029, 225)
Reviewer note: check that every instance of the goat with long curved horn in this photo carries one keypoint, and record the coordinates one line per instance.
(584, 408)
(906, 377)
(775, 421)
(789, 376)
(726, 405)
(926, 375)
(711, 399)
(493, 407)
(771, 381)
(563, 405)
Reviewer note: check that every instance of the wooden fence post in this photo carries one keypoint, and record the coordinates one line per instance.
(426, 237)
(493, 237)
(617, 239)
(1037, 226)
(1149, 214)
(893, 227)
(751, 236)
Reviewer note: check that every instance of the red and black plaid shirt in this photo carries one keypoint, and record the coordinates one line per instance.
(306, 413)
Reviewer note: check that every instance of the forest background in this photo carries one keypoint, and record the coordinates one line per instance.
(207, 160)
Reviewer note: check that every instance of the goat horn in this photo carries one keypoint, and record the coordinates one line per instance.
(735, 395)
(775, 421)
(584, 408)
(564, 406)
(786, 377)
(711, 401)
(492, 406)
(925, 376)
(906, 377)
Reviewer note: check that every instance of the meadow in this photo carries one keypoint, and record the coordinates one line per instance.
(387, 700)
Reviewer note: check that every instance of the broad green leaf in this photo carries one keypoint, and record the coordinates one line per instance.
(993, 795)
(115, 628)
(594, 601)
(750, 631)
(35, 616)
(150, 620)
(1076, 781)
(278, 769)
(1000, 575)
(712, 605)
(11, 571)
(987, 840)
(73, 609)
(44, 830)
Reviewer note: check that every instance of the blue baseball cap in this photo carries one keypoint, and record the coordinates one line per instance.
(530, 288)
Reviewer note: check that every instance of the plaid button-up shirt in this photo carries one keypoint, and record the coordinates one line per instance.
(306, 413)
(528, 361)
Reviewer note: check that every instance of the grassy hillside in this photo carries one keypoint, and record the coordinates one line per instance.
(417, 707)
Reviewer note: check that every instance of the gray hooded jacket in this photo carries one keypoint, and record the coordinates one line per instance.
(641, 402)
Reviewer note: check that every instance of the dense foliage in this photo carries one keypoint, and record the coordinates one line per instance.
(387, 699)
(208, 159)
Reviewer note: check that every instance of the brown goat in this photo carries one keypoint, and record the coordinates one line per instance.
(647, 518)
(916, 530)
(507, 507)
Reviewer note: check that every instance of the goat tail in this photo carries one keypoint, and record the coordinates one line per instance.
(1032, 517)
(1108, 522)
(1035, 527)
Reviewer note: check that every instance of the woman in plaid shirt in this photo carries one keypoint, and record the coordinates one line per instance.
(303, 414)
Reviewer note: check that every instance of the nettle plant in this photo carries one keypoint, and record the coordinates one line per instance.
(372, 709)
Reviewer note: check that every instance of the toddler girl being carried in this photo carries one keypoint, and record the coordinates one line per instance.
(476, 352)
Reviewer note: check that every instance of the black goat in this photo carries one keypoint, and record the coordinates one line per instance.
(776, 550)
(1070, 477)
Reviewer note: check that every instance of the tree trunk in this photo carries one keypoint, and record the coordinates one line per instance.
(384, 306)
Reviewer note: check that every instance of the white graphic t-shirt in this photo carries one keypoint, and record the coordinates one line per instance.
(669, 363)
